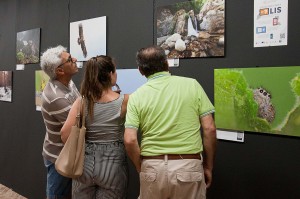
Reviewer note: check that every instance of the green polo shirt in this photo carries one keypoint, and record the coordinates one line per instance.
(167, 110)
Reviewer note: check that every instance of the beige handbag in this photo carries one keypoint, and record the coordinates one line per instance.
(70, 160)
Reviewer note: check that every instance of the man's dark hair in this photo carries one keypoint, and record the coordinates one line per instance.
(151, 60)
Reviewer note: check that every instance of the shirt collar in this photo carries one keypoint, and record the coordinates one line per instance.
(61, 85)
(158, 75)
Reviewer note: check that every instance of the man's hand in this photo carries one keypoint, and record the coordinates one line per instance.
(208, 177)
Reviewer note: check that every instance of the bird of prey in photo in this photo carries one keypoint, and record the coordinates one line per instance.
(81, 41)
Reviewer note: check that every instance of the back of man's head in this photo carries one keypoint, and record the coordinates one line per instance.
(151, 60)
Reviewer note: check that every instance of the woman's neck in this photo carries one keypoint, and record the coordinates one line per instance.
(108, 95)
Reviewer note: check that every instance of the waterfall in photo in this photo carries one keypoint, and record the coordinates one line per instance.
(191, 30)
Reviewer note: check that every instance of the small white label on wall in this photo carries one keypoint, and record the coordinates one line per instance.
(20, 67)
(173, 62)
(230, 135)
(38, 108)
(79, 64)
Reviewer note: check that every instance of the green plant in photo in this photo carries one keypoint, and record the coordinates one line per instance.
(258, 99)
(234, 102)
(198, 4)
(292, 121)
(20, 57)
(295, 84)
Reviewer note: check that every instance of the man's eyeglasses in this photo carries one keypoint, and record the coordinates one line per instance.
(70, 59)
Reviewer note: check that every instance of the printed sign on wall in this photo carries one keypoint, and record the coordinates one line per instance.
(270, 23)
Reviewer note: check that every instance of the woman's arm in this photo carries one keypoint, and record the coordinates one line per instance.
(124, 106)
(71, 120)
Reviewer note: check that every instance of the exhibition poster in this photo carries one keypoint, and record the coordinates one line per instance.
(270, 23)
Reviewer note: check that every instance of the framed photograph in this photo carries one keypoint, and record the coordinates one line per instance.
(28, 46)
(6, 86)
(191, 28)
(88, 38)
(129, 80)
(263, 99)
(41, 79)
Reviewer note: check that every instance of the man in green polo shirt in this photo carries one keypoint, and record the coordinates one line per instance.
(168, 111)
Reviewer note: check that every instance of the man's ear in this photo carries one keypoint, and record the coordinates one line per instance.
(141, 71)
(59, 71)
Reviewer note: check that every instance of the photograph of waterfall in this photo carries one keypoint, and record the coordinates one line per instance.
(6, 86)
(191, 29)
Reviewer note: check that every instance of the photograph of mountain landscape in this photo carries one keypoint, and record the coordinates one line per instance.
(28, 46)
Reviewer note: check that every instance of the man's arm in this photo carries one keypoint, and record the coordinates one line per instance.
(132, 147)
(209, 142)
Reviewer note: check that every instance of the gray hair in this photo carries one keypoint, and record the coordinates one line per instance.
(50, 59)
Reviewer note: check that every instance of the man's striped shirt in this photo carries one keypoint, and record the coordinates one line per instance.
(57, 100)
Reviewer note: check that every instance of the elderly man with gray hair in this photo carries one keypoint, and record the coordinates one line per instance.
(57, 99)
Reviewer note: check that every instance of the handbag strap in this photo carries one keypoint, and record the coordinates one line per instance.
(82, 112)
(80, 118)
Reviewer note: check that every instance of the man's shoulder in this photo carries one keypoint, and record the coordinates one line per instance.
(52, 92)
(138, 91)
(180, 79)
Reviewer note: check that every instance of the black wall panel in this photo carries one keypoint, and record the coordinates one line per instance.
(265, 166)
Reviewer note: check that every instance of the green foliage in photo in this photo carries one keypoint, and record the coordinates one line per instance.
(236, 108)
(234, 102)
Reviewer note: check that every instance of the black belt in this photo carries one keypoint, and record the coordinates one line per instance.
(174, 156)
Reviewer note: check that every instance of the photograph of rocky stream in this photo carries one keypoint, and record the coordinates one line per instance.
(192, 28)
